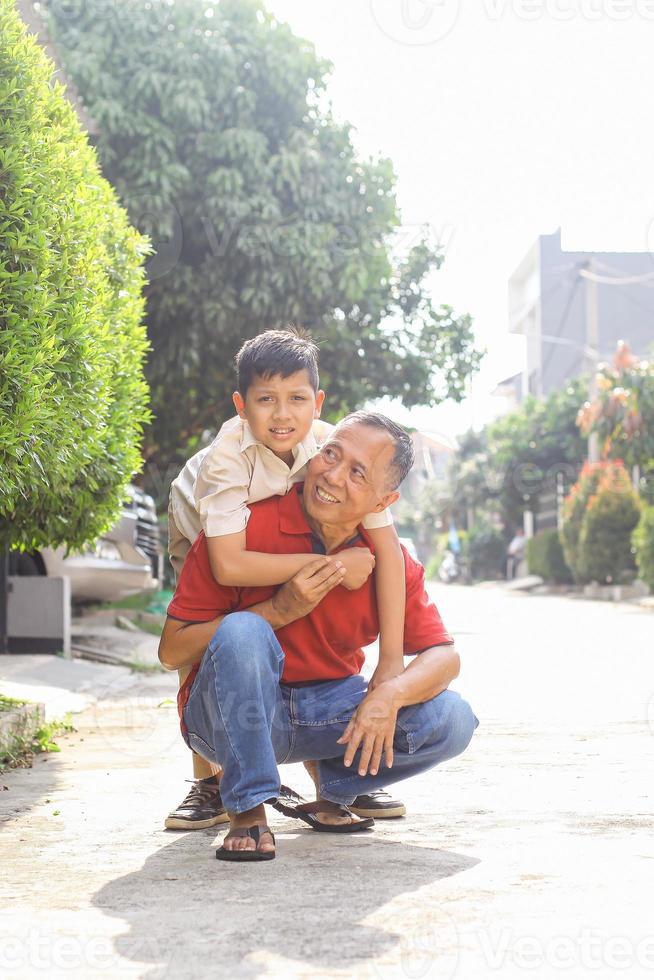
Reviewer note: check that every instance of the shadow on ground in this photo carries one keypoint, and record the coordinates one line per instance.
(185, 909)
(24, 788)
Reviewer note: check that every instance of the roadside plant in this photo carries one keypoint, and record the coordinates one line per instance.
(73, 398)
(545, 558)
(599, 516)
(643, 542)
(622, 414)
(574, 508)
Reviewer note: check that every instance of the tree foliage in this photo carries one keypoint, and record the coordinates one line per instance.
(216, 131)
(72, 392)
(514, 461)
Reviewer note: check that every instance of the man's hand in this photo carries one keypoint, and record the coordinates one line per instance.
(359, 563)
(302, 593)
(372, 727)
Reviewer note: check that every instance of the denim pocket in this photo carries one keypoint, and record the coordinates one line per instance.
(418, 722)
(329, 703)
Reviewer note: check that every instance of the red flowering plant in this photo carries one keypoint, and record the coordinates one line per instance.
(574, 508)
(622, 413)
(605, 553)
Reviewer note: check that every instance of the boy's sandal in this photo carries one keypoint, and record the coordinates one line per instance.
(256, 855)
(307, 812)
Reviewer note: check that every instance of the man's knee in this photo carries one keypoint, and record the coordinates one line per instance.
(243, 635)
(460, 726)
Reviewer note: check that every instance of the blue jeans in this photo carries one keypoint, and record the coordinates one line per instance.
(242, 717)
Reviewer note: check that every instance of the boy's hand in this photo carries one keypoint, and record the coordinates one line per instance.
(302, 593)
(358, 563)
(386, 670)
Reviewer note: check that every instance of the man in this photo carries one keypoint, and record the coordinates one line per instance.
(276, 673)
(515, 553)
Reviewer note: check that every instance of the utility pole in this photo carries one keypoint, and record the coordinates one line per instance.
(592, 349)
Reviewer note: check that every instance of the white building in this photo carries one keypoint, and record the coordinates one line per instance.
(570, 321)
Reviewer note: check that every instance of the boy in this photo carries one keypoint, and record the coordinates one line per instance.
(262, 452)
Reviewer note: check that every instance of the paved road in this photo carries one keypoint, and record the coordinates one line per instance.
(530, 856)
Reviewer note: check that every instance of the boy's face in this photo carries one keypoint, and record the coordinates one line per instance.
(280, 410)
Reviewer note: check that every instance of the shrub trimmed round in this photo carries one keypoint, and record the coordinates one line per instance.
(643, 542)
(605, 551)
(545, 558)
(73, 399)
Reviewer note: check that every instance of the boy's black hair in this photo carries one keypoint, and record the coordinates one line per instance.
(277, 352)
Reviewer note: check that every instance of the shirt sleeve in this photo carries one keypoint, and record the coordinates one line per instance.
(372, 521)
(198, 597)
(423, 626)
(222, 488)
(321, 430)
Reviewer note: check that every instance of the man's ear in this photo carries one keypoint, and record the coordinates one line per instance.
(320, 397)
(386, 501)
(239, 403)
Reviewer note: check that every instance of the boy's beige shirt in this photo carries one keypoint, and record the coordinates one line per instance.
(215, 486)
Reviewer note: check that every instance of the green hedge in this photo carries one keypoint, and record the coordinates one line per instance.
(574, 509)
(605, 552)
(545, 558)
(486, 552)
(72, 393)
(643, 542)
(599, 516)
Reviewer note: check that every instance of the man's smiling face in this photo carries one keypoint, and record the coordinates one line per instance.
(351, 476)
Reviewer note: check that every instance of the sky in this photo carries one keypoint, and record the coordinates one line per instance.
(504, 119)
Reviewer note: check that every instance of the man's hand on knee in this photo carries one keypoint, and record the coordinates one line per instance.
(372, 728)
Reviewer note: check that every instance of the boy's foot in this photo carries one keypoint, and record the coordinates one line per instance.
(202, 807)
(248, 832)
(378, 804)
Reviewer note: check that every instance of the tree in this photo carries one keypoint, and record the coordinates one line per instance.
(216, 131)
(72, 392)
(511, 463)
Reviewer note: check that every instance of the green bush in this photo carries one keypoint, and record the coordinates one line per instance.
(605, 552)
(643, 541)
(545, 558)
(486, 552)
(72, 393)
(574, 509)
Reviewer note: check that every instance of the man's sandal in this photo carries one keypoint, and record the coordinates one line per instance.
(307, 812)
(256, 855)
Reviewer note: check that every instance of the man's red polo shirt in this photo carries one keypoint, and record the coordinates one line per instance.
(326, 644)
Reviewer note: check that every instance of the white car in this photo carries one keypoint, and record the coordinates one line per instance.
(127, 559)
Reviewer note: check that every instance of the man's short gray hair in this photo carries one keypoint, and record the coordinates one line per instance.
(403, 457)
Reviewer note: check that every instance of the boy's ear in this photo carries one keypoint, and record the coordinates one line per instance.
(320, 397)
(239, 403)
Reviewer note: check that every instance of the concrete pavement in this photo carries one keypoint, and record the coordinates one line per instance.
(531, 855)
